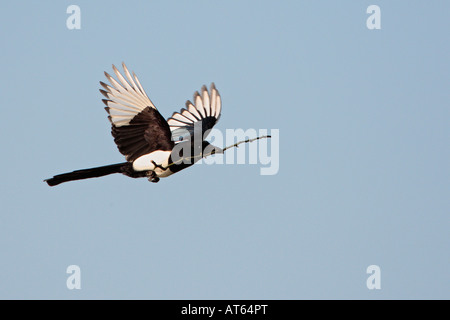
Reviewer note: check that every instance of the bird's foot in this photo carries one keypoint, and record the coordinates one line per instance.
(152, 176)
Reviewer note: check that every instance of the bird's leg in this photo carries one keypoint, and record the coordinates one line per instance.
(152, 176)
(158, 166)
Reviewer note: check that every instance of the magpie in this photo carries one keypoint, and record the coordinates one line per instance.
(153, 147)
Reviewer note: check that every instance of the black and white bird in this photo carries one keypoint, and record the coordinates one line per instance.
(153, 147)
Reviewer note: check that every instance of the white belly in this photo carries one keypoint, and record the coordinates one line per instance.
(144, 163)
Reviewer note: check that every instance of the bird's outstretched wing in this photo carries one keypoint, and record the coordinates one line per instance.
(137, 126)
(202, 115)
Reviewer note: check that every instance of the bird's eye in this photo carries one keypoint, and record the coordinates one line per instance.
(180, 138)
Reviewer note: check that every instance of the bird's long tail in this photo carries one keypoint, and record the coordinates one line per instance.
(86, 174)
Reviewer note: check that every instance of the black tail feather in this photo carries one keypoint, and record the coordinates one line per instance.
(86, 173)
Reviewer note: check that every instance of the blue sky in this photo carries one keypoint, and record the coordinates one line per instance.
(363, 118)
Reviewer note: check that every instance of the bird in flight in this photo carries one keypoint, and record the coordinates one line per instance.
(153, 147)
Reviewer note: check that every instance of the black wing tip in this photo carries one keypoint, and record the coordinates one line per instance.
(104, 93)
(104, 85)
(108, 76)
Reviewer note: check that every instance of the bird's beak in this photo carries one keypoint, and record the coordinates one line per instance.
(217, 150)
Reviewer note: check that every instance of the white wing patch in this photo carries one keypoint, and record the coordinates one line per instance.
(206, 104)
(126, 97)
(144, 163)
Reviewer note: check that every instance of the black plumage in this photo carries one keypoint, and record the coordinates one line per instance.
(152, 146)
